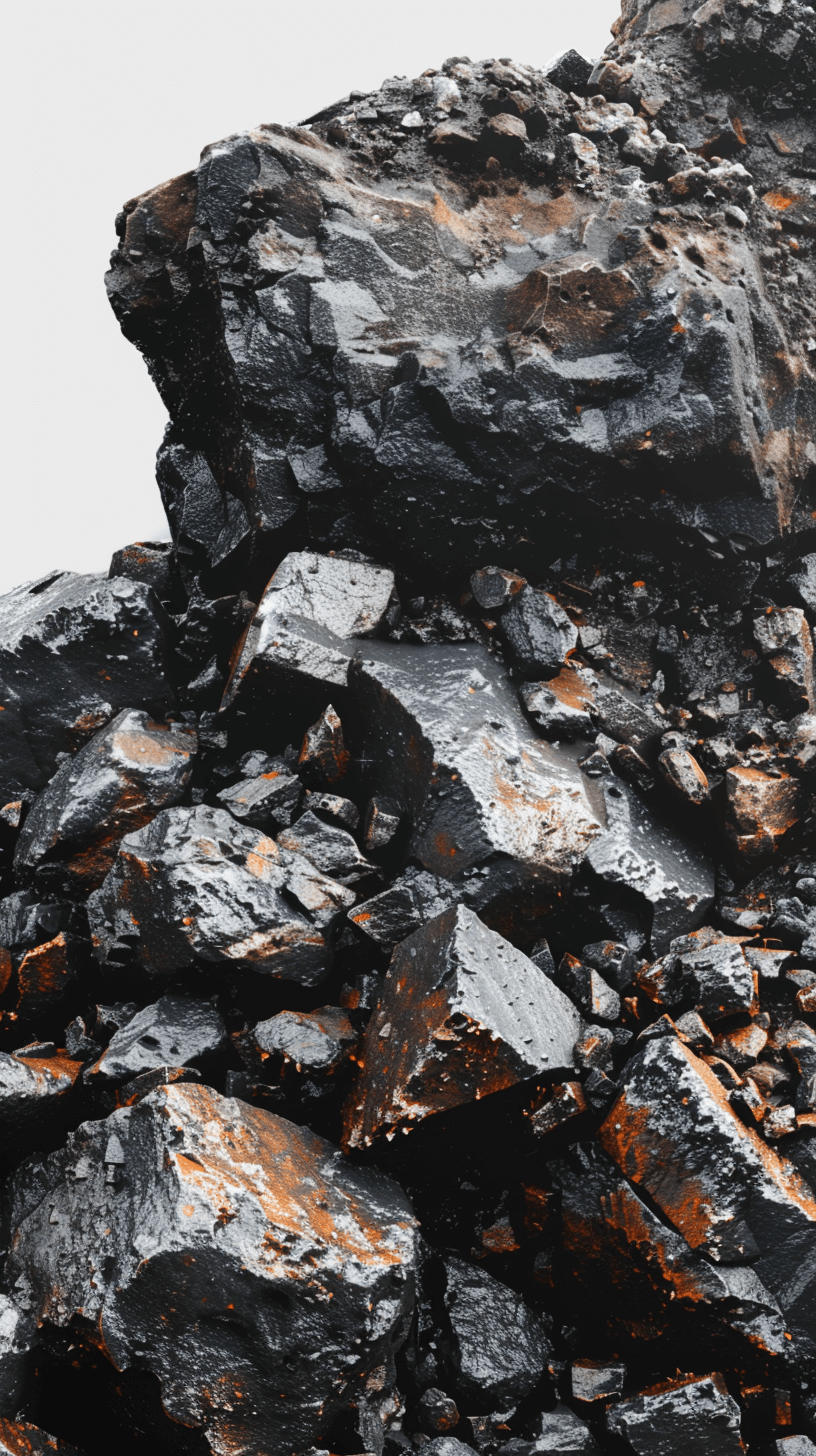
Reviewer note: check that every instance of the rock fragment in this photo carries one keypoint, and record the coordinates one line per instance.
(194, 883)
(723, 1174)
(683, 773)
(538, 631)
(35, 1093)
(115, 784)
(324, 757)
(692, 1413)
(462, 1015)
(315, 1042)
(493, 587)
(266, 801)
(74, 651)
(275, 1252)
(330, 849)
(449, 744)
(19, 1438)
(307, 622)
(761, 809)
(784, 637)
(497, 1345)
(670, 873)
(174, 1032)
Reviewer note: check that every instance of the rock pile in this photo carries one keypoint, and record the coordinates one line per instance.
(408, 899)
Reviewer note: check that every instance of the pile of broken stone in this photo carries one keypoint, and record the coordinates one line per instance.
(408, 900)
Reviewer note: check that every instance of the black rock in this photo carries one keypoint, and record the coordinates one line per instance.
(236, 1246)
(75, 650)
(195, 883)
(498, 1348)
(112, 786)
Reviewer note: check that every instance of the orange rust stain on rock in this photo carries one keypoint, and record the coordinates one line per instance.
(780, 201)
(276, 1164)
(650, 1157)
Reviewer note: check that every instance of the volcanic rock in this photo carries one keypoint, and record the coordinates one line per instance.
(692, 1413)
(194, 883)
(497, 1346)
(175, 1031)
(74, 650)
(490, 475)
(538, 632)
(111, 787)
(307, 621)
(462, 1015)
(266, 801)
(316, 1042)
(239, 1255)
(18, 1438)
(723, 1174)
(338, 383)
(35, 1092)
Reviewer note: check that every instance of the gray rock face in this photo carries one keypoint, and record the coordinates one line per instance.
(696, 1414)
(194, 883)
(330, 849)
(462, 1014)
(74, 650)
(115, 784)
(237, 1248)
(174, 1032)
(671, 874)
(267, 801)
(561, 1433)
(318, 1042)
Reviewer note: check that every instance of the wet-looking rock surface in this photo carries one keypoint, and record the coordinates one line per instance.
(408, 871)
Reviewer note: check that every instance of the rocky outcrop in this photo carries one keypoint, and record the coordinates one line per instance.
(407, 872)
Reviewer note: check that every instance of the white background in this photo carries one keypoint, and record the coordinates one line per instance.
(104, 100)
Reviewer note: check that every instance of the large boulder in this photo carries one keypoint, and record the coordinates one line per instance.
(434, 380)
(235, 1256)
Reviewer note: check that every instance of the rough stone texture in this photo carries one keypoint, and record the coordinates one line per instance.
(74, 650)
(318, 1042)
(331, 280)
(194, 883)
(33, 1094)
(18, 1438)
(452, 747)
(306, 621)
(462, 1015)
(694, 1414)
(671, 874)
(175, 1031)
(491, 482)
(673, 1113)
(114, 785)
(227, 1251)
(266, 801)
(497, 1346)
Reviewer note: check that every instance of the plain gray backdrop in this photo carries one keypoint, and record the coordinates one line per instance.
(106, 100)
